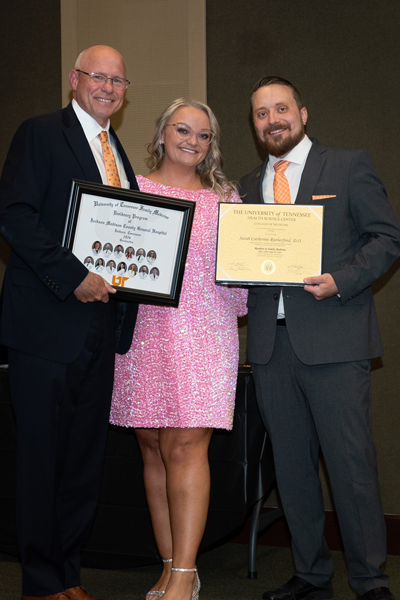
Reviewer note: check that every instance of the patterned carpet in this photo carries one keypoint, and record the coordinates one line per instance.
(223, 573)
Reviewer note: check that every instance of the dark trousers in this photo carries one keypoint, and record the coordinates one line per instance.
(328, 407)
(62, 418)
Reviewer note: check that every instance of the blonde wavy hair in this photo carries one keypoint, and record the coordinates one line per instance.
(210, 170)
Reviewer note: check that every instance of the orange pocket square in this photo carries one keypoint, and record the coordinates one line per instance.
(323, 196)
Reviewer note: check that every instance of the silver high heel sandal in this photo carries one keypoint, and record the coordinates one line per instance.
(157, 593)
(197, 584)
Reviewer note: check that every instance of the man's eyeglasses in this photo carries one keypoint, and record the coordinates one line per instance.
(118, 82)
(184, 133)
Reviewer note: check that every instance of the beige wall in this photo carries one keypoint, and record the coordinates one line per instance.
(164, 46)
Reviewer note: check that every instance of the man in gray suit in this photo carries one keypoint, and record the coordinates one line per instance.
(310, 347)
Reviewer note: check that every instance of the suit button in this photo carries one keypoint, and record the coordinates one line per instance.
(276, 296)
(56, 288)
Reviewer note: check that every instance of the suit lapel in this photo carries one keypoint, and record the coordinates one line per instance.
(312, 170)
(260, 178)
(80, 147)
(77, 140)
(127, 165)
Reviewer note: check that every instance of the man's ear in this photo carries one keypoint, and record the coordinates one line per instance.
(304, 115)
(73, 79)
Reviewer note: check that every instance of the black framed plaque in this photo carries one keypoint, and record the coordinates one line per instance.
(137, 242)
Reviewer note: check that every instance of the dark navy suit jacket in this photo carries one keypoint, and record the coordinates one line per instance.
(40, 314)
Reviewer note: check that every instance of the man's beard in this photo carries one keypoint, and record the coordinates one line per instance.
(280, 146)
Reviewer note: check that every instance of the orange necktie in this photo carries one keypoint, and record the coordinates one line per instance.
(281, 184)
(109, 161)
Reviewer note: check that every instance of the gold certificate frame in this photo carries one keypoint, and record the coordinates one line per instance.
(268, 244)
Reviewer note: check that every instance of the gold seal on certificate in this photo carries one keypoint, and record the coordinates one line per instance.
(268, 244)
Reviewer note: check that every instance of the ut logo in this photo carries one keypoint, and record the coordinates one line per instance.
(119, 281)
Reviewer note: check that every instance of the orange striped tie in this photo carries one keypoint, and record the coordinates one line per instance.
(281, 184)
(109, 161)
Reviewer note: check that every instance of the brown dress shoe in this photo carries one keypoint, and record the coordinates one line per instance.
(78, 593)
(58, 596)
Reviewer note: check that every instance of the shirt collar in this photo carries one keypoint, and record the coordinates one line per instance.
(298, 155)
(90, 126)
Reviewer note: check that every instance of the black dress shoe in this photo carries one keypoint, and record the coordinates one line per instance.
(380, 593)
(299, 589)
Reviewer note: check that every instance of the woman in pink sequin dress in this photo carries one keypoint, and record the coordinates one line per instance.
(177, 382)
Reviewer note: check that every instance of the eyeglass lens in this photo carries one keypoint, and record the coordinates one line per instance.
(99, 78)
(184, 132)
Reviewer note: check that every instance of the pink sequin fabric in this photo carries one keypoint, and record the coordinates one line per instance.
(181, 369)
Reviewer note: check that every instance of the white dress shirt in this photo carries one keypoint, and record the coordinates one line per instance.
(91, 129)
(297, 158)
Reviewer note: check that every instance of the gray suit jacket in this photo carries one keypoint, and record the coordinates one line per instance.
(361, 240)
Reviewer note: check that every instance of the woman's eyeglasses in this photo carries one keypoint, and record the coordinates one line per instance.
(184, 133)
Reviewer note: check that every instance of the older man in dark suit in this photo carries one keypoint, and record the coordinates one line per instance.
(59, 324)
(310, 348)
